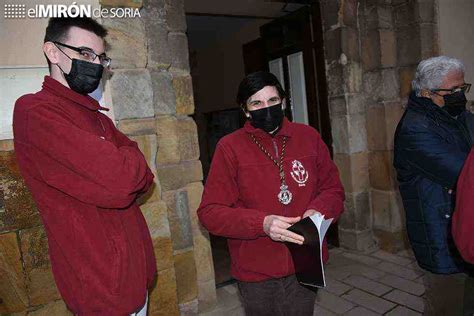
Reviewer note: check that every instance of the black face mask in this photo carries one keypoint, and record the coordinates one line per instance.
(84, 76)
(455, 103)
(267, 119)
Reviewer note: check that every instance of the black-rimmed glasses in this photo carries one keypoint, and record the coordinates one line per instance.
(464, 88)
(88, 54)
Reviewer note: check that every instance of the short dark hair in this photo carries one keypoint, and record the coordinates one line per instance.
(255, 82)
(58, 28)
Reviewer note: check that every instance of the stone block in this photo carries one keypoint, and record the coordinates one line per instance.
(371, 52)
(168, 140)
(179, 219)
(154, 16)
(164, 99)
(40, 281)
(373, 86)
(426, 11)
(340, 134)
(406, 14)
(156, 216)
(13, 291)
(384, 15)
(178, 45)
(207, 295)
(333, 44)
(175, 16)
(357, 240)
(330, 13)
(428, 40)
(408, 45)
(175, 176)
(367, 285)
(164, 298)
(357, 133)
(390, 84)
(388, 48)
(186, 280)
(335, 79)
(189, 308)
(194, 192)
(17, 208)
(353, 171)
(357, 213)
(183, 88)
(126, 38)
(376, 129)
(402, 298)
(188, 139)
(387, 210)
(132, 94)
(393, 114)
(135, 127)
(350, 43)
(148, 145)
(352, 73)
(6, 145)
(350, 12)
(381, 171)
(54, 308)
(406, 75)
(349, 134)
(391, 241)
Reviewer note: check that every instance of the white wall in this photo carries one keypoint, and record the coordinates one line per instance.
(456, 34)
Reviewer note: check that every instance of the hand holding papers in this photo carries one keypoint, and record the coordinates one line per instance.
(307, 258)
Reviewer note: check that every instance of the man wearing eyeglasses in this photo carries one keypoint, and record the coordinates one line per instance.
(85, 177)
(432, 141)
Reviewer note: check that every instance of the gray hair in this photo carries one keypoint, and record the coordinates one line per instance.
(431, 72)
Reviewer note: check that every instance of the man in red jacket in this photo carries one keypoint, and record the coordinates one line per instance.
(265, 177)
(85, 177)
(463, 217)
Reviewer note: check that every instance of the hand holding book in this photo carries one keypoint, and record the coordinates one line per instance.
(307, 258)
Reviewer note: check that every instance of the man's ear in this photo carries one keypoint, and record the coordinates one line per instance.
(51, 52)
(425, 93)
(246, 113)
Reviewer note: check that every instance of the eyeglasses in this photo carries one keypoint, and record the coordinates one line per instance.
(88, 54)
(464, 88)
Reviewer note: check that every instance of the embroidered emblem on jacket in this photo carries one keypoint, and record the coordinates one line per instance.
(299, 173)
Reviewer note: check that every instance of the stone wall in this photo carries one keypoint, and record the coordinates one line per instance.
(372, 49)
(152, 99)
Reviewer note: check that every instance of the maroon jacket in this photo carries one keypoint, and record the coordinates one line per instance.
(85, 177)
(242, 189)
(463, 217)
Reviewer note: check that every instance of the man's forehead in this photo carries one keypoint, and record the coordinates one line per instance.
(83, 38)
(453, 79)
(267, 92)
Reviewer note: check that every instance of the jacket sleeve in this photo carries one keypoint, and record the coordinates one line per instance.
(83, 165)
(218, 211)
(463, 217)
(330, 199)
(432, 156)
(123, 140)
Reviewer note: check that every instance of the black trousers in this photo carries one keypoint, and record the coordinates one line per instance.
(277, 297)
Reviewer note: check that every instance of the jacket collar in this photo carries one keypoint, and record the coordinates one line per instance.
(55, 87)
(285, 130)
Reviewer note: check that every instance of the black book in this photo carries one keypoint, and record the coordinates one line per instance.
(307, 258)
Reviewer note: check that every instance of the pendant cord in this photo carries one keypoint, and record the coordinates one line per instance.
(279, 164)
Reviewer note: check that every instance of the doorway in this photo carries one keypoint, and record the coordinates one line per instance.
(224, 48)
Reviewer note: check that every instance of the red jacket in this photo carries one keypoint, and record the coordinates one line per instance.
(242, 189)
(463, 216)
(85, 176)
